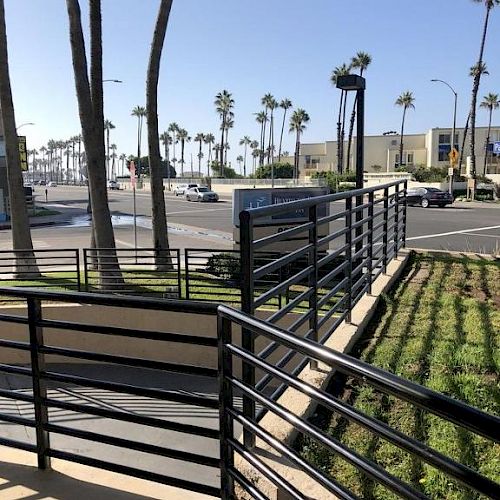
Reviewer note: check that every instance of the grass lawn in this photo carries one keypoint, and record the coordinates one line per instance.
(439, 328)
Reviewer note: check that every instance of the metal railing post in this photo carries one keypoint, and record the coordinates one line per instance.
(405, 185)
(78, 276)
(370, 240)
(348, 254)
(85, 270)
(39, 388)
(247, 306)
(225, 370)
(396, 222)
(313, 277)
(385, 240)
(186, 272)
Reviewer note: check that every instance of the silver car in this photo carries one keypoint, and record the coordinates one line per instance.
(182, 189)
(201, 193)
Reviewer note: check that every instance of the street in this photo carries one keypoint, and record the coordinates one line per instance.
(461, 227)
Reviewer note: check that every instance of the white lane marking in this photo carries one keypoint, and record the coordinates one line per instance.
(462, 231)
(198, 211)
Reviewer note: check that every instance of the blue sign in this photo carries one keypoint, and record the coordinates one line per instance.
(496, 148)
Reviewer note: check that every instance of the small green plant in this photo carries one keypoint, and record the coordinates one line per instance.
(224, 265)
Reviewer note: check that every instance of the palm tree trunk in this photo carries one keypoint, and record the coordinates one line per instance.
(245, 162)
(67, 166)
(487, 143)
(281, 135)
(182, 157)
(107, 154)
(264, 140)
(340, 166)
(296, 162)
(159, 215)
(402, 135)
(222, 141)
(226, 143)
(464, 139)
(26, 266)
(269, 151)
(90, 104)
(199, 158)
(342, 139)
(209, 158)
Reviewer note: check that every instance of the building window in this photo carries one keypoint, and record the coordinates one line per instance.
(308, 159)
(410, 159)
(444, 138)
(394, 142)
(443, 155)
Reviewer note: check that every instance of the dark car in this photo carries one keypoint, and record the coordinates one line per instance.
(427, 196)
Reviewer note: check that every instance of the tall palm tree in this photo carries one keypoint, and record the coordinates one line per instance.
(245, 142)
(239, 159)
(200, 138)
(407, 101)
(173, 128)
(272, 104)
(139, 112)
(122, 158)
(114, 156)
(166, 140)
(489, 4)
(91, 109)
(79, 140)
(342, 70)
(261, 119)
(265, 101)
(298, 122)
(360, 61)
(490, 102)
(224, 103)
(183, 137)
(285, 105)
(229, 124)
(255, 155)
(210, 140)
(43, 150)
(108, 125)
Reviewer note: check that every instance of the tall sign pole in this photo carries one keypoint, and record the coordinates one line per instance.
(133, 182)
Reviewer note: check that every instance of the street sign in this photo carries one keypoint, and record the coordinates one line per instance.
(23, 154)
(496, 147)
(133, 178)
(450, 171)
(453, 155)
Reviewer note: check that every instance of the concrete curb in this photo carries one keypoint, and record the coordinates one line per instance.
(342, 340)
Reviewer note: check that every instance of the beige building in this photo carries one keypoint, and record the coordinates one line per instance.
(382, 152)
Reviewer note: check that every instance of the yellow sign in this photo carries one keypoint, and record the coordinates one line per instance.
(453, 155)
(23, 153)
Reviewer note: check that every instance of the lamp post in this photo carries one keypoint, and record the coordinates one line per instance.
(24, 124)
(452, 142)
(357, 83)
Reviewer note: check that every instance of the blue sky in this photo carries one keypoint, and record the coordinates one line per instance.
(286, 47)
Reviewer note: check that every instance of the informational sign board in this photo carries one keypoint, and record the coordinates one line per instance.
(496, 147)
(450, 171)
(23, 152)
(254, 198)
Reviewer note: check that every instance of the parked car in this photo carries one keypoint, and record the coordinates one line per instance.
(52, 184)
(181, 189)
(42, 183)
(113, 185)
(427, 196)
(201, 193)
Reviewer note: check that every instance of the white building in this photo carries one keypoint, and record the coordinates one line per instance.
(382, 152)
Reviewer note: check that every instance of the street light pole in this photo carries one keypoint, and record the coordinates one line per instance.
(24, 124)
(452, 142)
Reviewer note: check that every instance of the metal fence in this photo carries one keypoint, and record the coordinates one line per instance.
(57, 269)
(337, 246)
(265, 461)
(50, 390)
(138, 272)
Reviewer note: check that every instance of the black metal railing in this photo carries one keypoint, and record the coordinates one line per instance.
(337, 245)
(139, 274)
(268, 457)
(53, 388)
(57, 269)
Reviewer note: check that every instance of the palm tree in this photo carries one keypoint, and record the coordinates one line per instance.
(229, 124)
(239, 159)
(139, 112)
(490, 102)
(224, 104)
(79, 139)
(265, 101)
(298, 122)
(108, 125)
(360, 61)
(173, 128)
(200, 138)
(114, 156)
(261, 119)
(122, 158)
(166, 140)
(245, 142)
(489, 4)
(340, 71)
(210, 140)
(255, 155)
(285, 105)
(406, 101)
(90, 103)
(183, 136)
(272, 104)
(43, 150)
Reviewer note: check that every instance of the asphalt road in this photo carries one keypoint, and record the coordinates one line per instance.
(461, 227)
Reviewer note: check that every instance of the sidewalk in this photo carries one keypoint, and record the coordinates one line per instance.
(48, 220)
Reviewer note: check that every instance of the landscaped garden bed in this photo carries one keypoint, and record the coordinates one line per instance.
(440, 328)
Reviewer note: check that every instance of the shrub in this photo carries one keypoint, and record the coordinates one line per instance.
(376, 168)
(430, 174)
(334, 180)
(224, 265)
(281, 171)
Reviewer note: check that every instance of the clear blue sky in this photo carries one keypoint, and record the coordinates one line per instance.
(286, 47)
